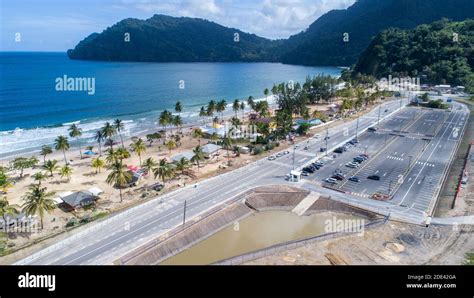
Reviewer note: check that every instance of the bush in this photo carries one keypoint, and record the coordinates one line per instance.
(72, 222)
(257, 151)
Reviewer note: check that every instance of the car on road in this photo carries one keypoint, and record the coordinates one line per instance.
(286, 152)
(373, 129)
(271, 158)
(374, 177)
(339, 150)
(386, 110)
(279, 154)
(354, 179)
(331, 180)
(322, 149)
(306, 148)
(352, 165)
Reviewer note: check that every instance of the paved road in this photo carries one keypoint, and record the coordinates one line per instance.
(103, 242)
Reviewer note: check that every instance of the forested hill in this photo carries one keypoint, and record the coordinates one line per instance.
(442, 52)
(322, 43)
(170, 39)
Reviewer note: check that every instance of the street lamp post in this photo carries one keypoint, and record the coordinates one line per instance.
(378, 119)
(327, 136)
(357, 129)
(184, 213)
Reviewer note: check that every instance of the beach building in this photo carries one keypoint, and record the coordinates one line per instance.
(186, 154)
(210, 150)
(80, 199)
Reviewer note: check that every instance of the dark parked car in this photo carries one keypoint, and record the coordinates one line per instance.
(374, 177)
(338, 177)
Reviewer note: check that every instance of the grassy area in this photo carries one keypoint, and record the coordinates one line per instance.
(470, 258)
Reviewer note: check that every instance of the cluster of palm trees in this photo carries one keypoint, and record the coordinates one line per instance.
(212, 107)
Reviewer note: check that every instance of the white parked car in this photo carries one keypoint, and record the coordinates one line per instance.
(331, 180)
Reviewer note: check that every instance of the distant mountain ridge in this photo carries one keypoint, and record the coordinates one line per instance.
(170, 39)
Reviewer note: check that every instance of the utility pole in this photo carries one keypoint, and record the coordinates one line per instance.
(327, 136)
(294, 152)
(357, 129)
(378, 119)
(184, 214)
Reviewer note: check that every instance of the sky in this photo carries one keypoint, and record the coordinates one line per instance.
(58, 25)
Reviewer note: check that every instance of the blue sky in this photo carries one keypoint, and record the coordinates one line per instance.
(57, 25)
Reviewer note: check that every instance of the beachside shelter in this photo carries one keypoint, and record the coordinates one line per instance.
(210, 150)
(186, 154)
(79, 199)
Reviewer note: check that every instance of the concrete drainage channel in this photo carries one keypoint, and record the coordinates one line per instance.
(249, 205)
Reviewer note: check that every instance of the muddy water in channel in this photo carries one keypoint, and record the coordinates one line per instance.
(255, 232)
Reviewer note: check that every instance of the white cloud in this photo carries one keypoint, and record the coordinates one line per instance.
(268, 18)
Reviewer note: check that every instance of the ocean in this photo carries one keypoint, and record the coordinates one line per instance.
(35, 108)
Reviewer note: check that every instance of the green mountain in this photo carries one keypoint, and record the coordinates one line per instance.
(169, 39)
(322, 43)
(442, 52)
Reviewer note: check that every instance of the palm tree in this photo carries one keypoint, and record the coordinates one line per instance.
(76, 132)
(242, 108)
(203, 112)
(108, 131)
(7, 209)
(62, 143)
(5, 181)
(171, 144)
(119, 176)
(197, 133)
(211, 108)
(51, 166)
(97, 164)
(37, 201)
(165, 119)
(149, 164)
(45, 150)
(182, 165)
(251, 102)
(227, 142)
(178, 122)
(66, 172)
(99, 137)
(119, 126)
(221, 107)
(122, 154)
(198, 156)
(236, 106)
(139, 147)
(112, 156)
(164, 170)
(39, 177)
(178, 108)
